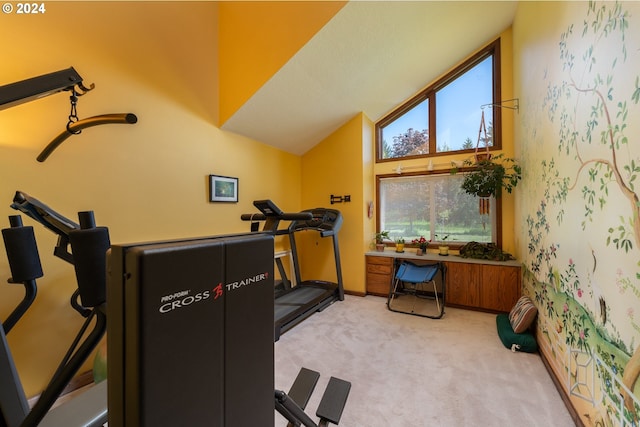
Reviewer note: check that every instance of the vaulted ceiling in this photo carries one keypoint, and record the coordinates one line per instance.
(370, 57)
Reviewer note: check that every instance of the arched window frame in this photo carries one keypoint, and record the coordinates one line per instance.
(429, 94)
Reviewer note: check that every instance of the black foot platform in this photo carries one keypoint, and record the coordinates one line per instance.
(333, 400)
(331, 405)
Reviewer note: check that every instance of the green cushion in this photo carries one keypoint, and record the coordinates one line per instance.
(522, 342)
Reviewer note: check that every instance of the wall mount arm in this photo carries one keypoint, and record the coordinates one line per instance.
(514, 101)
(76, 127)
(41, 86)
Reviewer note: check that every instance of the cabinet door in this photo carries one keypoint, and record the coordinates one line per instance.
(463, 284)
(500, 287)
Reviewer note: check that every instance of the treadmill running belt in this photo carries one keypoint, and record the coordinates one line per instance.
(293, 301)
(299, 303)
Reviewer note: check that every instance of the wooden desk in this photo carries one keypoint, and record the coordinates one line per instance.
(493, 286)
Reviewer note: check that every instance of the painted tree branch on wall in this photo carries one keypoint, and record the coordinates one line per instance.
(573, 135)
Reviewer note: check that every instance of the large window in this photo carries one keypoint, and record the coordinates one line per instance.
(433, 206)
(445, 117)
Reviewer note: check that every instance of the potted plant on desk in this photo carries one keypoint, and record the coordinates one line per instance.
(443, 246)
(400, 244)
(380, 238)
(422, 244)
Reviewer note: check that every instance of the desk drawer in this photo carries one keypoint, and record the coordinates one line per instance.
(382, 260)
(379, 268)
(379, 264)
(378, 284)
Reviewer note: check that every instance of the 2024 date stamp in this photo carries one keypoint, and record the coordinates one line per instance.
(32, 8)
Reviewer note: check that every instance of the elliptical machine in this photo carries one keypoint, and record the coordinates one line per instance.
(245, 386)
(88, 249)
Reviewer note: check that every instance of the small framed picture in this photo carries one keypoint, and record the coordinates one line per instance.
(223, 189)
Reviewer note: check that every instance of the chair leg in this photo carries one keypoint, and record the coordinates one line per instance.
(435, 294)
(393, 293)
(415, 297)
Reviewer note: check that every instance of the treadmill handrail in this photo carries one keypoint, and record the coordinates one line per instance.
(297, 216)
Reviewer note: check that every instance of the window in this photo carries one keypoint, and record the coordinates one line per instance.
(445, 117)
(434, 206)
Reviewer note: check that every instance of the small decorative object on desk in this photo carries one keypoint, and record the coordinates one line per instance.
(400, 244)
(443, 247)
(422, 244)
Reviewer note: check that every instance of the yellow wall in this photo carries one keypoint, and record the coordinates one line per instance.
(257, 38)
(335, 166)
(146, 181)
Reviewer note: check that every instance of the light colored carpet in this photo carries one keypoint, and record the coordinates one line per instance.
(412, 371)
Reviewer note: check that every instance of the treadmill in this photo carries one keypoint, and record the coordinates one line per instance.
(293, 304)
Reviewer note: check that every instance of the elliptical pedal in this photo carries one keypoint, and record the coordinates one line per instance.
(300, 393)
(303, 386)
(333, 400)
(331, 405)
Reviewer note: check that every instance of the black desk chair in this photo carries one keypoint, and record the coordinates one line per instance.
(415, 284)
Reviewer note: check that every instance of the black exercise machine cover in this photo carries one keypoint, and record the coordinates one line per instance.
(190, 337)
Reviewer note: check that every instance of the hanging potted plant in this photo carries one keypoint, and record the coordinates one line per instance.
(483, 137)
(490, 177)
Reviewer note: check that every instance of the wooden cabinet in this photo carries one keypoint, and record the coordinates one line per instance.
(379, 275)
(500, 287)
(489, 286)
(463, 284)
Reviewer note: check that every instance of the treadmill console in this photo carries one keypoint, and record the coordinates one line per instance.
(272, 215)
(327, 221)
(268, 208)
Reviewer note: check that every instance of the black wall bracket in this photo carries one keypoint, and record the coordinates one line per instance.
(340, 199)
(41, 86)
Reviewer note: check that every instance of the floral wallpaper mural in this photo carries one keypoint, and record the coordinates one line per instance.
(580, 207)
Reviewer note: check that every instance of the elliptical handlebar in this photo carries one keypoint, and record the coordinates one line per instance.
(51, 219)
(42, 213)
(89, 245)
(87, 242)
(24, 262)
